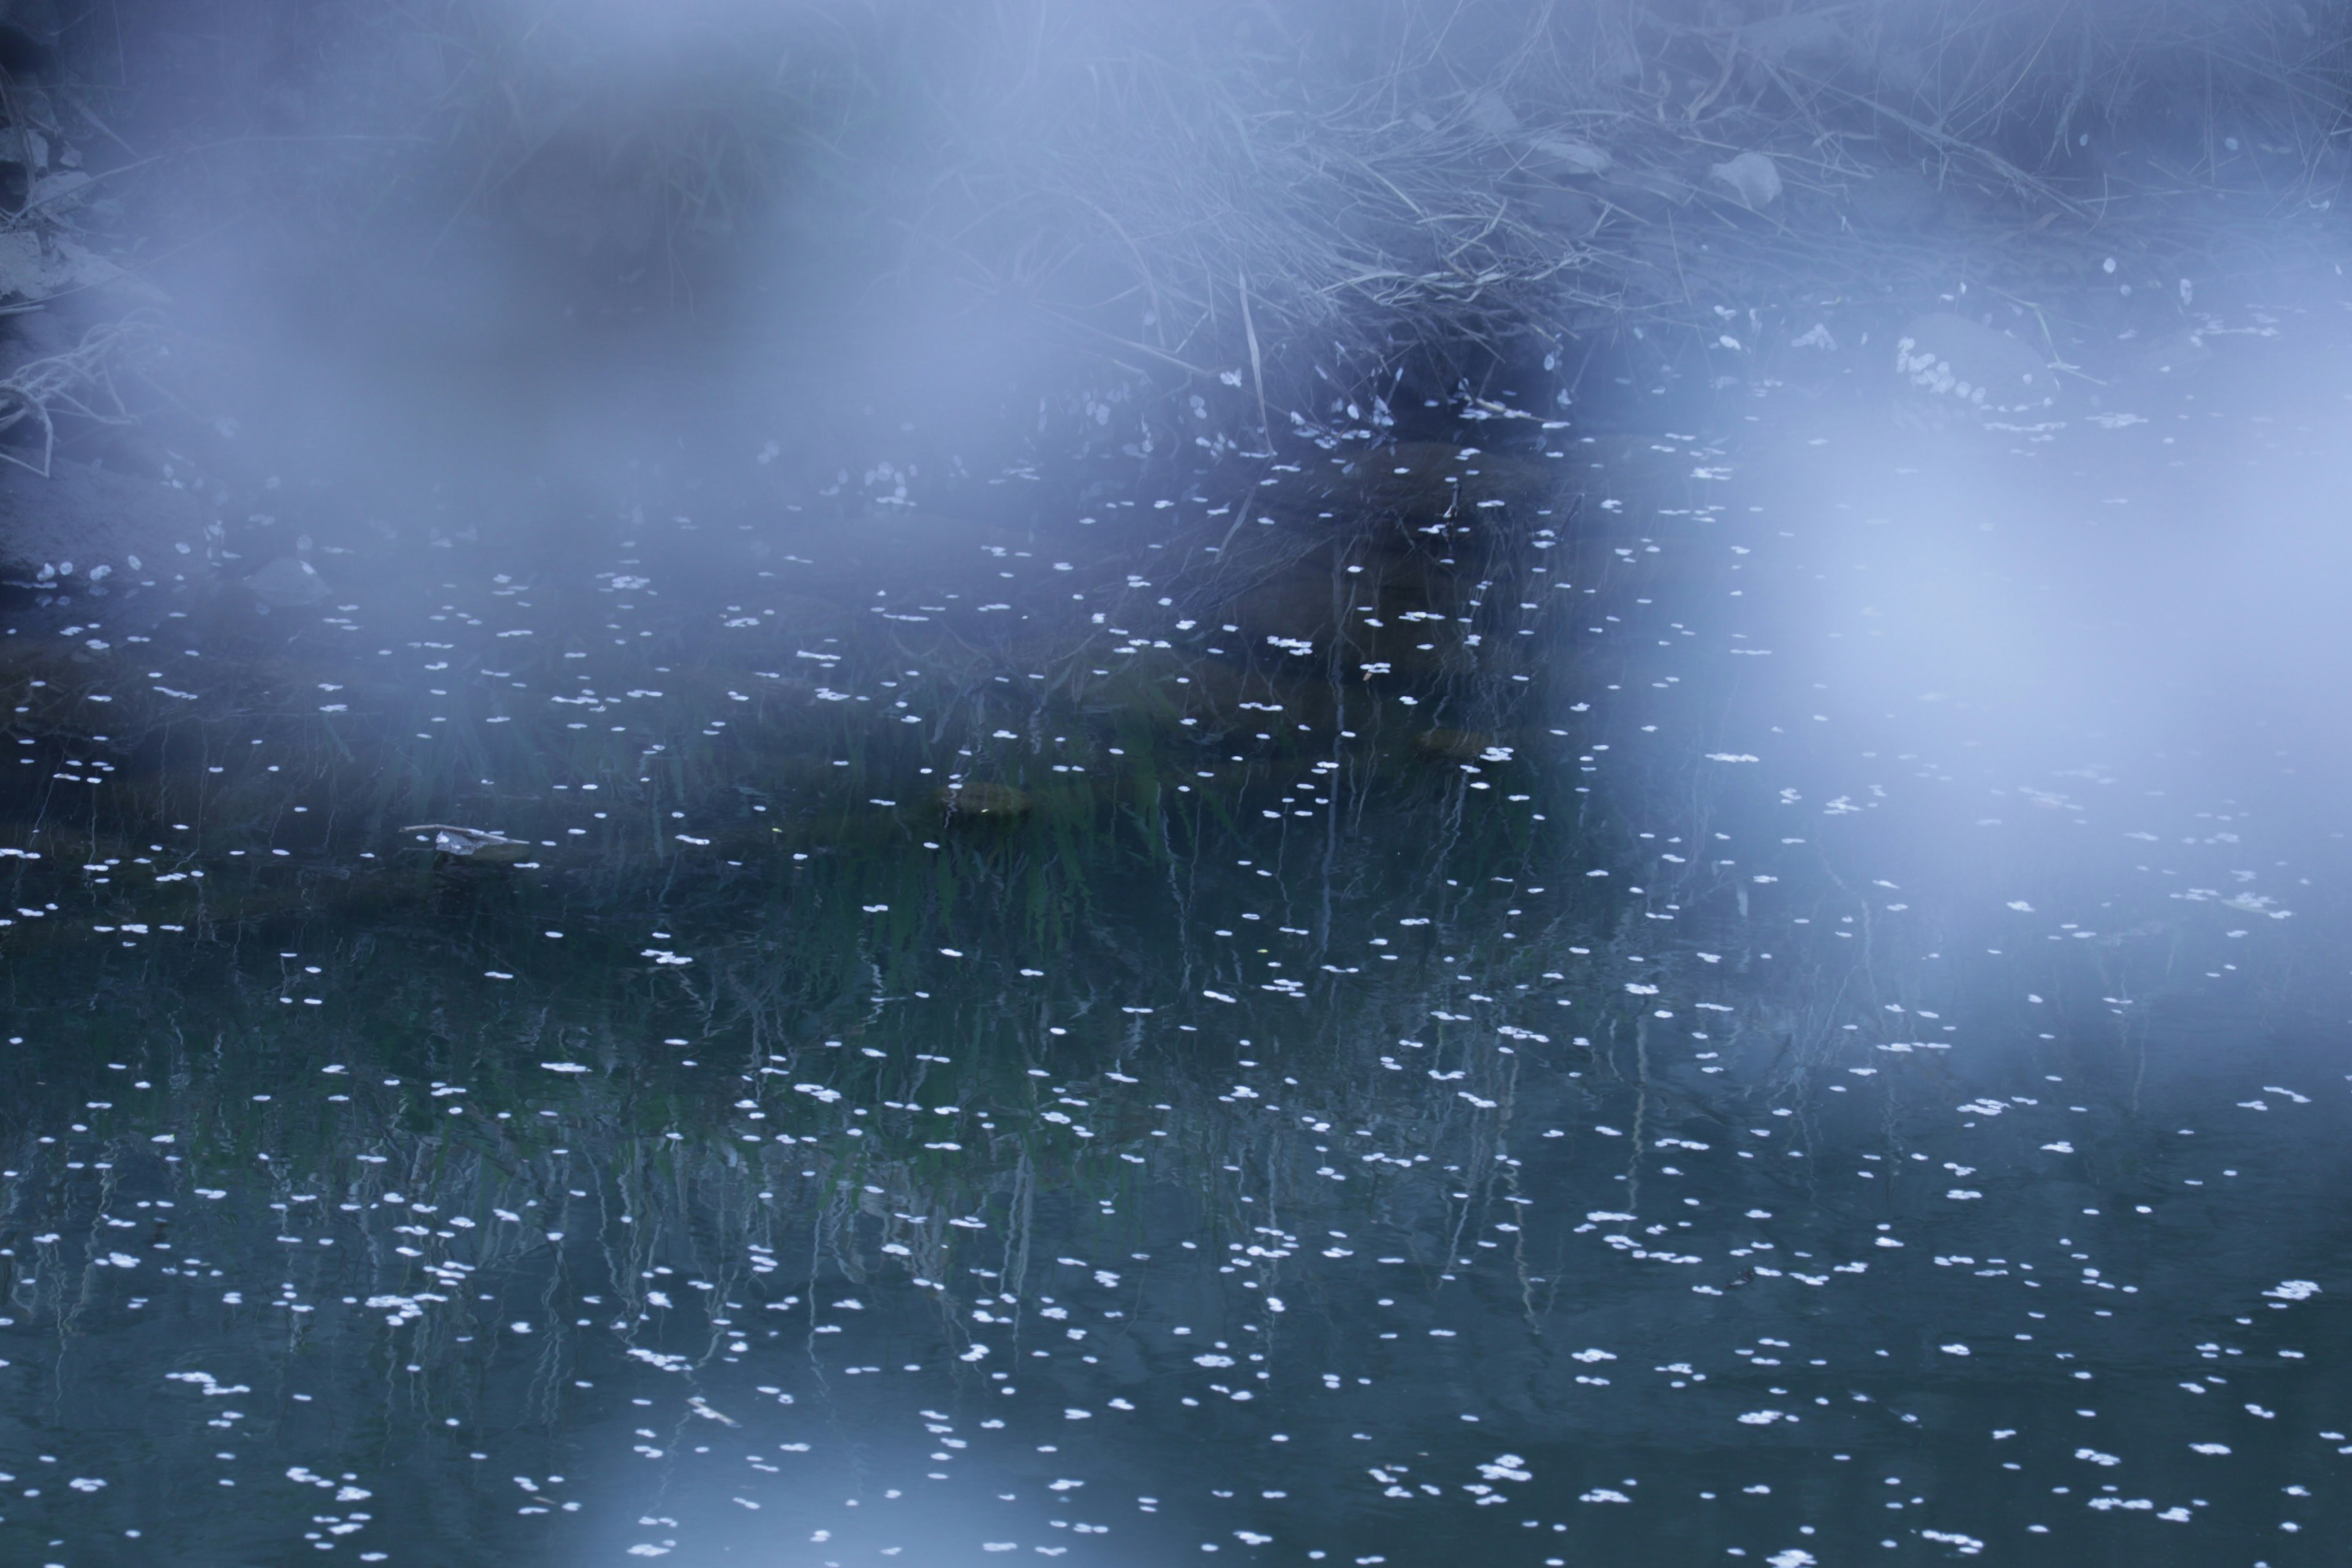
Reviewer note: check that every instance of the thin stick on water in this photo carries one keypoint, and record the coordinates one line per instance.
(1257, 365)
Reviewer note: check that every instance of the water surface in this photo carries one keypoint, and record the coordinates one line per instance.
(1769, 991)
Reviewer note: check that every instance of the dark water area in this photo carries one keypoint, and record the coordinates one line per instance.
(1771, 991)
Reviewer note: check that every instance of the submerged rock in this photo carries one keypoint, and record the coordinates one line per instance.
(1896, 200)
(90, 515)
(287, 583)
(996, 801)
(1752, 177)
(1455, 745)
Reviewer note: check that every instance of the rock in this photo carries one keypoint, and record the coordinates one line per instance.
(1559, 209)
(1491, 115)
(1287, 611)
(1951, 357)
(91, 516)
(992, 801)
(1455, 745)
(34, 267)
(1752, 177)
(1569, 155)
(288, 582)
(1814, 38)
(1896, 200)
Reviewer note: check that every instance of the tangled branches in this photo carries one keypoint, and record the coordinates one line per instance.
(79, 383)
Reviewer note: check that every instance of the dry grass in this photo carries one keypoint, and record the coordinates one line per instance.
(1232, 182)
(1477, 171)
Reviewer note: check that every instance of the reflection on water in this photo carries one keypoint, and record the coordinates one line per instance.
(1420, 1002)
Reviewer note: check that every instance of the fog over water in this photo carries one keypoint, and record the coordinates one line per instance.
(763, 815)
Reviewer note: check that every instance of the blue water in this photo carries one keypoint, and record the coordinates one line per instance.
(1764, 997)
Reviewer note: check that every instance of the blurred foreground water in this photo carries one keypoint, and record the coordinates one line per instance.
(1527, 995)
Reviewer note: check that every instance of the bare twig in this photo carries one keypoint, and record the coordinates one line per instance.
(79, 382)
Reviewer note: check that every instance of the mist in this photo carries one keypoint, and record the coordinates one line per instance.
(823, 781)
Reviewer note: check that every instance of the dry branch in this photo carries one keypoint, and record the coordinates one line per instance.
(79, 383)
